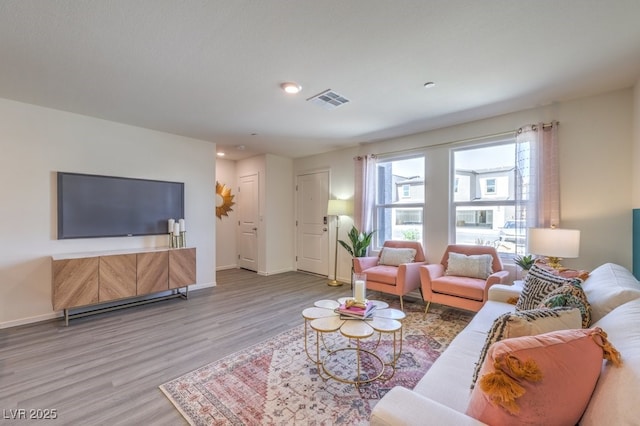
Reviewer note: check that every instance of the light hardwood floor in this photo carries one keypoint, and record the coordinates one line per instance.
(106, 369)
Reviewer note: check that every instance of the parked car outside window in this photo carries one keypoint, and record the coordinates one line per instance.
(513, 231)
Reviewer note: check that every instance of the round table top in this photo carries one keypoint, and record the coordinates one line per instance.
(324, 319)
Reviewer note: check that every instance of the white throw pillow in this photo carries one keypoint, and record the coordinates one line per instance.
(396, 256)
(472, 266)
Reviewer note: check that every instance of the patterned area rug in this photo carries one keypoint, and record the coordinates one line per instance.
(274, 382)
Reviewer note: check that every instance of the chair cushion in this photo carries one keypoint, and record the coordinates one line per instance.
(382, 274)
(396, 256)
(472, 266)
(469, 288)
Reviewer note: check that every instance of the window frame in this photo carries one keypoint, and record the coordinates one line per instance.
(400, 204)
(478, 204)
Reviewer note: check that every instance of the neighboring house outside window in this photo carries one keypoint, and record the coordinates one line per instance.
(399, 206)
(483, 194)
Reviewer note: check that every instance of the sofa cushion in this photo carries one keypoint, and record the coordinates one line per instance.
(396, 256)
(382, 274)
(543, 379)
(569, 295)
(615, 398)
(527, 323)
(609, 286)
(472, 266)
(538, 283)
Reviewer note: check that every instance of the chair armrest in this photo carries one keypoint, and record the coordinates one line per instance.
(408, 278)
(499, 277)
(402, 407)
(362, 263)
(429, 272)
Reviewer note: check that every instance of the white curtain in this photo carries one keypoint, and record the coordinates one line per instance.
(537, 175)
(364, 196)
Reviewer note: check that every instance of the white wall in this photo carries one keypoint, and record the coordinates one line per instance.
(279, 215)
(37, 142)
(227, 226)
(276, 227)
(635, 158)
(595, 137)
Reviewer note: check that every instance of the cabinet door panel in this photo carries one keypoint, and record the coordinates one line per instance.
(182, 267)
(117, 277)
(74, 282)
(153, 272)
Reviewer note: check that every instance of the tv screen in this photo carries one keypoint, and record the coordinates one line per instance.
(108, 206)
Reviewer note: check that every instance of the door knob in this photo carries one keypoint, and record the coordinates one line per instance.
(254, 229)
(324, 229)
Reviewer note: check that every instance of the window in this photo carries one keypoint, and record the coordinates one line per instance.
(399, 205)
(490, 186)
(406, 191)
(483, 194)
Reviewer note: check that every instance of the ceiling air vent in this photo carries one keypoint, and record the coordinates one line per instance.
(328, 99)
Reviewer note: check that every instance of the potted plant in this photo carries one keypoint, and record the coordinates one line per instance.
(525, 261)
(360, 241)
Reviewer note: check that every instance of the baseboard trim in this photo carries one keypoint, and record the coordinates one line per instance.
(59, 314)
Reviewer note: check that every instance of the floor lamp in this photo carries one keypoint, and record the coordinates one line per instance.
(337, 208)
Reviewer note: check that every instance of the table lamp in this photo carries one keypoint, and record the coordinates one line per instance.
(554, 244)
(337, 208)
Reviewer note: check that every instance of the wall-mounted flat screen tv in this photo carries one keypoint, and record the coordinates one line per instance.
(108, 206)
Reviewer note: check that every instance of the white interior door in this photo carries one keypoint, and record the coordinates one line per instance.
(312, 228)
(248, 220)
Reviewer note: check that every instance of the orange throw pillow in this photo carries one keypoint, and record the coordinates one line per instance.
(543, 379)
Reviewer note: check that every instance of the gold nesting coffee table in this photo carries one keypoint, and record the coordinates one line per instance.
(322, 319)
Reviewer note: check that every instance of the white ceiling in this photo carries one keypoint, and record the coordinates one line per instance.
(211, 69)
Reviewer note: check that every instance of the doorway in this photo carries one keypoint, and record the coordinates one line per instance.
(312, 236)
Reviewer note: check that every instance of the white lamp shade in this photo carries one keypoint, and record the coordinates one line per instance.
(554, 242)
(339, 208)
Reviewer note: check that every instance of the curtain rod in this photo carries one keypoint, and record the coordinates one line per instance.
(463, 141)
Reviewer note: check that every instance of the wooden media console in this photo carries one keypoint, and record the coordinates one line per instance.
(85, 279)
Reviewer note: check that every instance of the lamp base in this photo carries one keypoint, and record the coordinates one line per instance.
(334, 283)
(554, 262)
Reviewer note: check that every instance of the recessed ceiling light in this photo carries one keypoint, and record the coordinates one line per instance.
(291, 87)
(220, 154)
(429, 84)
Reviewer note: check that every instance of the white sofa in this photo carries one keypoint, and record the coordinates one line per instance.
(442, 395)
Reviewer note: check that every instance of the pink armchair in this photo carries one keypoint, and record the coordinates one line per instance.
(460, 291)
(389, 278)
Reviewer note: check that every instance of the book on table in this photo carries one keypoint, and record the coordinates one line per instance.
(360, 311)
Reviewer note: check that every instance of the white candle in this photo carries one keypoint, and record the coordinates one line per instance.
(358, 290)
(183, 228)
(176, 228)
(170, 227)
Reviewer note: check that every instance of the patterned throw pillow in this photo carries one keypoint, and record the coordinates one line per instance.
(537, 285)
(527, 323)
(472, 266)
(570, 295)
